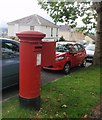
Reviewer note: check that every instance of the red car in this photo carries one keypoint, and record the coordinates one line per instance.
(68, 55)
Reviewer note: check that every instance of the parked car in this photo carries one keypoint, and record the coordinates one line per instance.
(9, 62)
(68, 55)
(90, 50)
(83, 42)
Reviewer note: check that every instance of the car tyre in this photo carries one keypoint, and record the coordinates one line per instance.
(84, 63)
(66, 69)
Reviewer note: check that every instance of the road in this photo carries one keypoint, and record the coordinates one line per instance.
(46, 77)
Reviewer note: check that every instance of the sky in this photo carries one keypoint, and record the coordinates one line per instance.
(11, 10)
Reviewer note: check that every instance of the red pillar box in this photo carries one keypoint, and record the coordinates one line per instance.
(48, 53)
(30, 68)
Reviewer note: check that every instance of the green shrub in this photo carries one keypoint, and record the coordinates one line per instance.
(61, 38)
(14, 38)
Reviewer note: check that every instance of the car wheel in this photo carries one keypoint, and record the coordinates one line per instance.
(66, 69)
(84, 63)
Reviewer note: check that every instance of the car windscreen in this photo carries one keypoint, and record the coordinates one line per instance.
(92, 48)
(63, 48)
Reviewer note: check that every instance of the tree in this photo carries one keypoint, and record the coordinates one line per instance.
(98, 53)
(68, 12)
(61, 38)
(64, 11)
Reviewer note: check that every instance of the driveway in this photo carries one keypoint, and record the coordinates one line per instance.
(46, 77)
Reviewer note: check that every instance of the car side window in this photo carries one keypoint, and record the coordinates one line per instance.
(69, 46)
(75, 48)
(9, 50)
(80, 48)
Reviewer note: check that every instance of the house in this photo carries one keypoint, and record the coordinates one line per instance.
(90, 38)
(70, 34)
(64, 31)
(33, 23)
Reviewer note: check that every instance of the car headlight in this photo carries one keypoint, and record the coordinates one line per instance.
(60, 58)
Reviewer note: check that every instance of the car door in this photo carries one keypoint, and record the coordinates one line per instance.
(74, 55)
(81, 53)
(10, 63)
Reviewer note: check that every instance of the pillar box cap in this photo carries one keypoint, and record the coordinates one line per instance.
(31, 34)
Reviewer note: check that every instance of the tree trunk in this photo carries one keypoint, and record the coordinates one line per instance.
(98, 48)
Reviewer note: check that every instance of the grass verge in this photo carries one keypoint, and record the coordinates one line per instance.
(71, 96)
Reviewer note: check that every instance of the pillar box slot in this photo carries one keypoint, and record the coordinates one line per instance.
(37, 48)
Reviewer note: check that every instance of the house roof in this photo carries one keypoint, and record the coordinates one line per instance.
(64, 28)
(33, 20)
(92, 37)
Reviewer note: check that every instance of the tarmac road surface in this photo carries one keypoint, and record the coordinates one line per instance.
(46, 76)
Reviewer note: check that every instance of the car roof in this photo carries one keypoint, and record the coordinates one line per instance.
(7, 39)
(64, 43)
(93, 45)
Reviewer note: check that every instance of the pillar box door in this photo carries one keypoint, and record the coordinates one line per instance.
(30, 68)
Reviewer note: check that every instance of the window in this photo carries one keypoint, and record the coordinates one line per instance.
(62, 48)
(51, 32)
(56, 31)
(9, 50)
(75, 48)
(32, 28)
(80, 48)
(92, 47)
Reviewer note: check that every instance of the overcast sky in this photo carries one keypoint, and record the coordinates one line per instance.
(15, 9)
(11, 10)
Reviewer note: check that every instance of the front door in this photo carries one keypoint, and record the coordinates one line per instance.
(74, 58)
